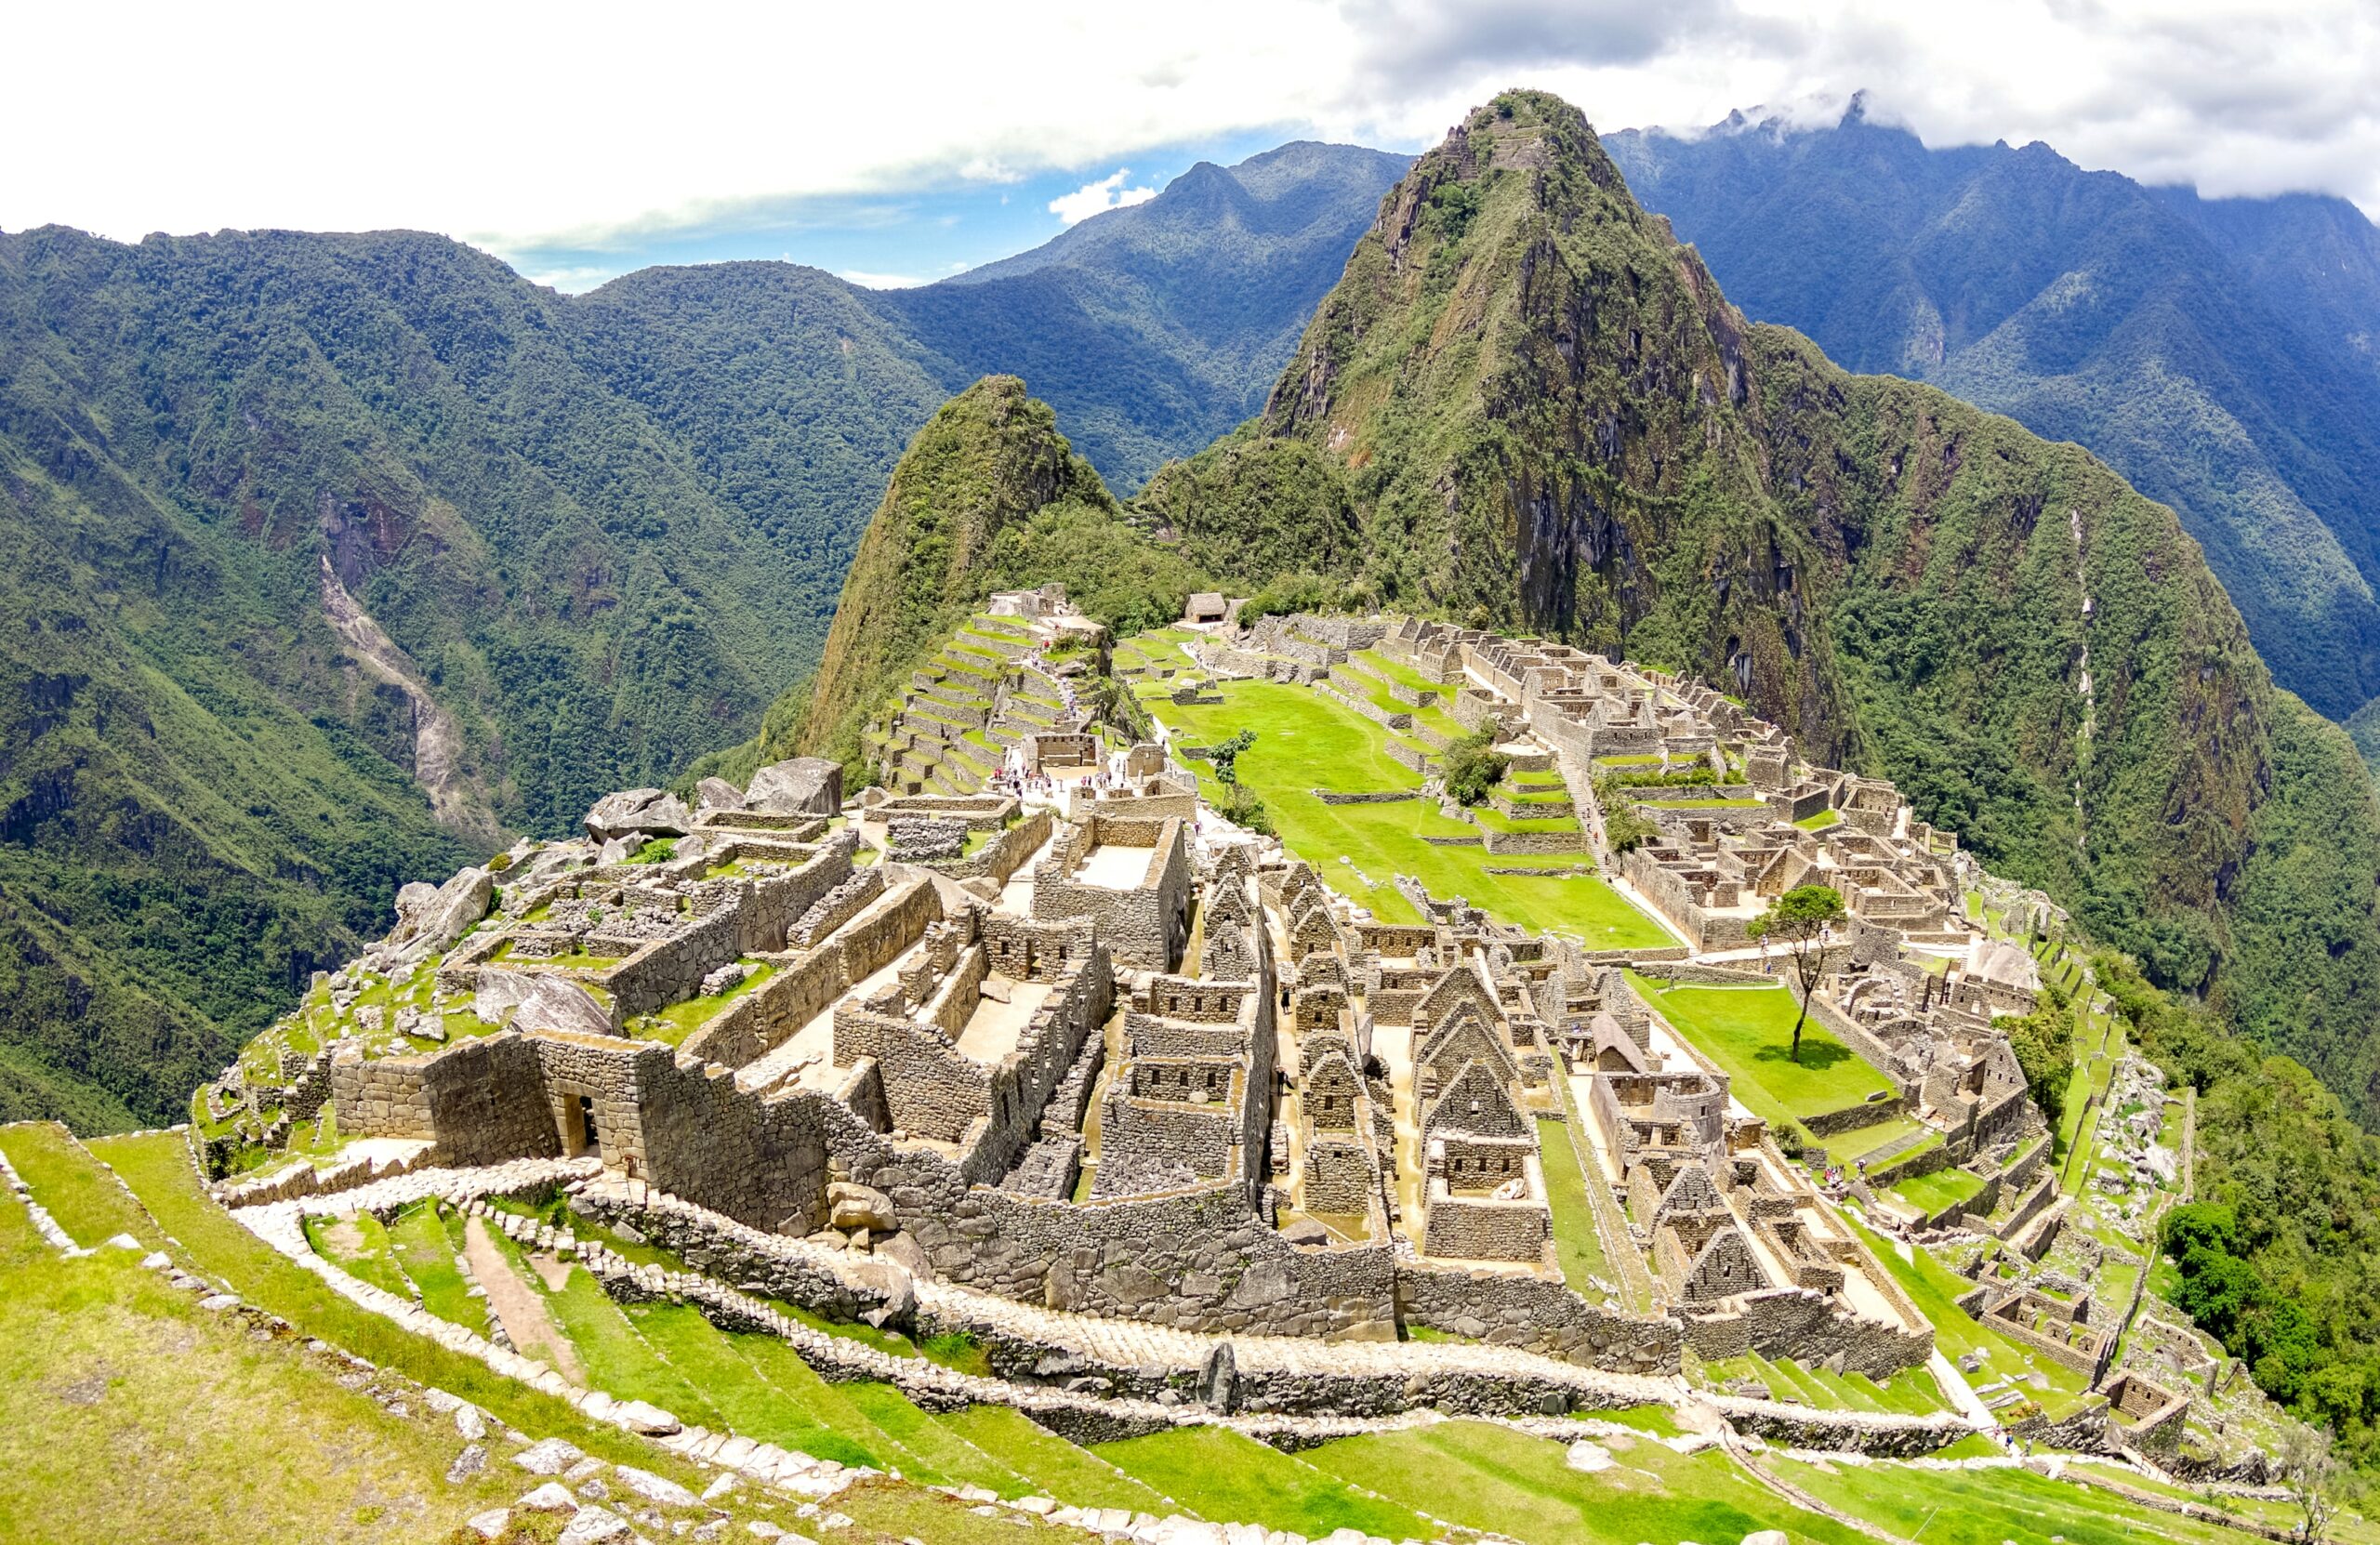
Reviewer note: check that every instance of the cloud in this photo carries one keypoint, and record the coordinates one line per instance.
(867, 281)
(1097, 198)
(627, 135)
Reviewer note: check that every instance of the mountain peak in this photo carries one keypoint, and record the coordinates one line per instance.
(989, 460)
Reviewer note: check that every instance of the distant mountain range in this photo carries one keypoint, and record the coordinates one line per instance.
(2224, 354)
(303, 533)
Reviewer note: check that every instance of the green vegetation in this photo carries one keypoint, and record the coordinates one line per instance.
(237, 1436)
(989, 496)
(1927, 629)
(1800, 921)
(1578, 1243)
(1073, 1475)
(1930, 1193)
(1218, 1474)
(1986, 1507)
(1935, 1289)
(1490, 1477)
(1471, 767)
(86, 1200)
(1246, 510)
(1748, 1031)
(1305, 741)
(2244, 422)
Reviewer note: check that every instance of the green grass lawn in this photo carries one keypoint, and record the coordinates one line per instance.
(1934, 1287)
(673, 1025)
(1492, 1478)
(1306, 741)
(1403, 675)
(127, 1412)
(1985, 1507)
(1577, 1244)
(1854, 1145)
(1218, 1475)
(1493, 819)
(1931, 1194)
(730, 1371)
(1819, 822)
(1054, 1466)
(85, 1199)
(1749, 1032)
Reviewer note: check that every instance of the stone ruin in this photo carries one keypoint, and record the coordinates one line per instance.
(1146, 1077)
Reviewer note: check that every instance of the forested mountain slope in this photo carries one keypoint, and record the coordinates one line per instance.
(2221, 353)
(1547, 417)
(328, 558)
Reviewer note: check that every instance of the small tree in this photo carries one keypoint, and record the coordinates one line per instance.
(1226, 758)
(2311, 1471)
(1798, 919)
(1473, 767)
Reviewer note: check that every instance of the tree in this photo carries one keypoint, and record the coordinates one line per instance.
(2043, 1042)
(1226, 758)
(1473, 766)
(1798, 919)
(2311, 1471)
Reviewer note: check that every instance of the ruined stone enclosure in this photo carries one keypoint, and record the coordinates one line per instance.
(1075, 1045)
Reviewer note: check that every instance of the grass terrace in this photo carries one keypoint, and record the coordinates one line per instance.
(1749, 1032)
(1380, 665)
(1306, 741)
(673, 1025)
(1911, 1392)
(1819, 821)
(1489, 1477)
(1933, 1193)
(1988, 1506)
(1218, 1474)
(1935, 1289)
(1577, 1244)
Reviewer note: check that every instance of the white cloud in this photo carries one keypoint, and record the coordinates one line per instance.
(1097, 198)
(867, 281)
(494, 124)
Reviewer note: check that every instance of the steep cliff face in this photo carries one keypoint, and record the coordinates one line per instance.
(1543, 409)
(2207, 348)
(1548, 418)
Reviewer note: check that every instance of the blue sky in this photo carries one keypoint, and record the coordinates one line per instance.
(898, 236)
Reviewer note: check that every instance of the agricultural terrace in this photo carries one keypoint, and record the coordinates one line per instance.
(1306, 742)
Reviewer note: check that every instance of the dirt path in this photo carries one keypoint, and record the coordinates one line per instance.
(516, 1306)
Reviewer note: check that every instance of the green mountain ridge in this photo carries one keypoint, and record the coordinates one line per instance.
(586, 540)
(2218, 352)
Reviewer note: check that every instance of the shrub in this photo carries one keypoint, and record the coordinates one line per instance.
(1473, 766)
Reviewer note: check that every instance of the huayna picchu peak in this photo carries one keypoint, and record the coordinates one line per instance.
(1588, 927)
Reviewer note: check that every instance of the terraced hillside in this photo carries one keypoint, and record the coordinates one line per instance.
(985, 689)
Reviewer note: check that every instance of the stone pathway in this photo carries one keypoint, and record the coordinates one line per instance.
(515, 1304)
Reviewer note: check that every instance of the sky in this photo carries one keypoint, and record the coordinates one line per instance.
(900, 143)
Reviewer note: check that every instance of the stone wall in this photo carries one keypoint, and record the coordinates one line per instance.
(1809, 1328)
(757, 1023)
(930, 1089)
(837, 907)
(1143, 926)
(1536, 1315)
